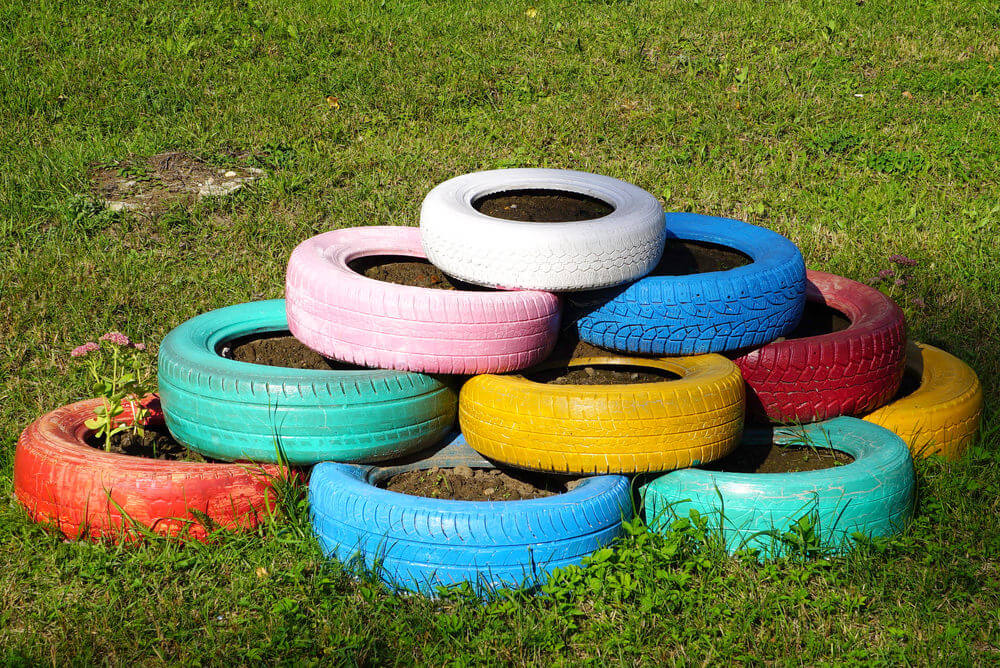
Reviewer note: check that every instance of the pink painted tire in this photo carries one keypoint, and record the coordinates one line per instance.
(344, 315)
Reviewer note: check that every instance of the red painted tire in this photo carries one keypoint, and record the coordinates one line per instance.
(342, 314)
(84, 491)
(850, 372)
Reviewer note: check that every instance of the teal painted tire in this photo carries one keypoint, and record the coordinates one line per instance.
(873, 495)
(232, 410)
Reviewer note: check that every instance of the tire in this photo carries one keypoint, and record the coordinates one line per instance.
(850, 372)
(417, 544)
(347, 316)
(942, 416)
(632, 428)
(232, 410)
(87, 492)
(581, 255)
(873, 495)
(707, 312)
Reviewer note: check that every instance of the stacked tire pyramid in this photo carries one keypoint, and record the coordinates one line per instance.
(715, 319)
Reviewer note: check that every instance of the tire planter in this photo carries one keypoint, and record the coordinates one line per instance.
(417, 544)
(872, 495)
(942, 416)
(87, 492)
(630, 428)
(849, 372)
(713, 311)
(231, 410)
(579, 255)
(342, 314)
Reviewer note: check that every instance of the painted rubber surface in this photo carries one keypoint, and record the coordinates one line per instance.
(84, 491)
(581, 255)
(942, 416)
(708, 312)
(232, 410)
(872, 495)
(850, 372)
(630, 428)
(347, 316)
(421, 543)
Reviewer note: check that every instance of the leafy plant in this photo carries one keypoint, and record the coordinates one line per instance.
(127, 380)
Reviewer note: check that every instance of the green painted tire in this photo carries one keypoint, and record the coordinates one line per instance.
(873, 495)
(233, 410)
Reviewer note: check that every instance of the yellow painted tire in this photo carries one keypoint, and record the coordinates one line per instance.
(631, 428)
(941, 417)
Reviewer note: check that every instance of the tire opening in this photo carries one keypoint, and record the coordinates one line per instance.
(541, 205)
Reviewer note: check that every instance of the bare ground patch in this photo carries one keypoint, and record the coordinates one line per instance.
(148, 186)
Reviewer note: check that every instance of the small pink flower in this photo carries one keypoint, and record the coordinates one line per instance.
(139, 346)
(918, 302)
(903, 261)
(900, 282)
(886, 273)
(116, 338)
(87, 347)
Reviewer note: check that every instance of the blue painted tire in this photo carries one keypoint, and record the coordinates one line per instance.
(873, 495)
(417, 544)
(705, 312)
(233, 410)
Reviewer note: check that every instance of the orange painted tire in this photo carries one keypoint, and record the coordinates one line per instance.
(86, 492)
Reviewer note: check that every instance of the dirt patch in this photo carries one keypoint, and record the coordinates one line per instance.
(818, 319)
(601, 374)
(465, 484)
(539, 205)
(772, 458)
(154, 443)
(403, 270)
(150, 185)
(279, 349)
(681, 258)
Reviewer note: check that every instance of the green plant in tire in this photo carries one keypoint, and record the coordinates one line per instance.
(128, 378)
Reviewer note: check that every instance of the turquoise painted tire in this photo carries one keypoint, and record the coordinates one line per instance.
(232, 410)
(873, 495)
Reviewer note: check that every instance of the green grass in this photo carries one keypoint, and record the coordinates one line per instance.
(732, 108)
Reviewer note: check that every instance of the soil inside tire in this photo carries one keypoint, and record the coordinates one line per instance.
(404, 270)
(773, 458)
(466, 484)
(681, 258)
(818, 319)
(911, 383)
(155, 443)
(540, 205)
(601, 374)
(279, 349)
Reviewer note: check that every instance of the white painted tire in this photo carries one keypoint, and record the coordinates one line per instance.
(617, 248)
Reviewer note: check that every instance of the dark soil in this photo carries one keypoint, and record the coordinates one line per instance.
(911, 383)
(155, 443)
(681, 258)
(278, 349)
(601, 374)
(466, 484)
(818, 319)
(779, 459)
(403, 270)
(542, 206)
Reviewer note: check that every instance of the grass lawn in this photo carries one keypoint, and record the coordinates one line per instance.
(857, 129)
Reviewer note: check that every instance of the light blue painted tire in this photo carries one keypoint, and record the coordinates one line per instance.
(873, 495)
(233, 410)
(708, 312)
(417, 544)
